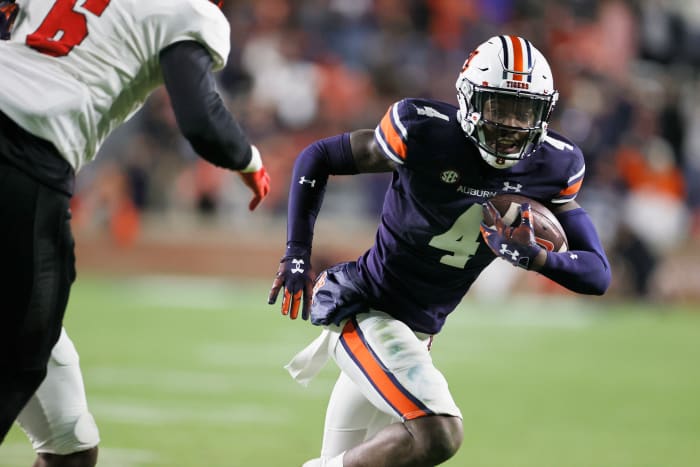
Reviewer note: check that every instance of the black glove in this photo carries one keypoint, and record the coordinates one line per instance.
(8, 13)
(297, 277)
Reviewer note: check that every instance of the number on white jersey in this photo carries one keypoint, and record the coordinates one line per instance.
(64, 28)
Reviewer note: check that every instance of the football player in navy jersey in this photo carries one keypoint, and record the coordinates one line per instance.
(390, 405)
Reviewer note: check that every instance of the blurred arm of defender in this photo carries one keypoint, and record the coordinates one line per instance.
(203, 118)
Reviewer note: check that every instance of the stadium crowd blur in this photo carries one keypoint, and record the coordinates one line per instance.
(628, 73)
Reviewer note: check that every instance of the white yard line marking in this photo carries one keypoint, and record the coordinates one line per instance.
(15, 454)
(150, 413)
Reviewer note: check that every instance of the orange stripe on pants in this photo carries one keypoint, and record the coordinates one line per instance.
(378, 375)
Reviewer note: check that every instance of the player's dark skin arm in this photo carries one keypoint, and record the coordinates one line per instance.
(367, 154)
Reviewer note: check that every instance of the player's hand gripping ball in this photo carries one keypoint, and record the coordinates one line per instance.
(296, 277)
(515, 244)
(549, 234)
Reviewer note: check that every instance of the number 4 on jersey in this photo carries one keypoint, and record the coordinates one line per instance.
(64, 28)
(462, 239)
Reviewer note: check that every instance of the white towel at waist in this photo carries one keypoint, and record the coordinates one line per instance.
(307, 363)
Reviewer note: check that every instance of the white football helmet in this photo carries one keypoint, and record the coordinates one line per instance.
(506, 95)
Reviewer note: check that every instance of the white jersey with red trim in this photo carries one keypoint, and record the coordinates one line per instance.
(74, 71)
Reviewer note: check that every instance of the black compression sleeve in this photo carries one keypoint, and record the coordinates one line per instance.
(200, 112)
(329, 156)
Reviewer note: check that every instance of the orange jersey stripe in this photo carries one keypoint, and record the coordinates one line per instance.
(392, 137)
(571, 189)
(517, 58)
(375, 372)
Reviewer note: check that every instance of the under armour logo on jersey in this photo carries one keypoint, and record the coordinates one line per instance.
(303, 180)
(449, 176)
(573, 256)
(297, 266)
(515, 188)
(514, 254)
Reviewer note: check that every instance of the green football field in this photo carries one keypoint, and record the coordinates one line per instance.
(188, 372)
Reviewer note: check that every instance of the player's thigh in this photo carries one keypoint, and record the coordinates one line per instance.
(56, 419)
(348, 408)
(38, 268)
(392, 367)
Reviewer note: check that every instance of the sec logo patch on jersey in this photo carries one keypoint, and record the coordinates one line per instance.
(450, 177)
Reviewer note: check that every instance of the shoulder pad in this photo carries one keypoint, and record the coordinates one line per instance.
(575, 167)
(408, 119)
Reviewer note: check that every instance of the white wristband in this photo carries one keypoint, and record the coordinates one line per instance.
(255, 163)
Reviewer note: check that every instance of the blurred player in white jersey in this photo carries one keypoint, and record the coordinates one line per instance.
(70, 73)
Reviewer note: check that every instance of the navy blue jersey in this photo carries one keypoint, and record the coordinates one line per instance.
(428, 249)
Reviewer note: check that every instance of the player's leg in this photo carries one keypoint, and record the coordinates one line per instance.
(56, 419)
(423, 442)
(393, 370)
(36, 246)
(77, 459)
(350, 419)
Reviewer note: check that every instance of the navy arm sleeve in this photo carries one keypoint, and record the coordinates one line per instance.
(584, 268)
(200, 112)
(329, 156)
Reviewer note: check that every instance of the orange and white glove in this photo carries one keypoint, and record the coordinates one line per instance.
(256, 178)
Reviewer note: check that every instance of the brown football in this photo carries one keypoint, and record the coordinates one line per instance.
(549, 233)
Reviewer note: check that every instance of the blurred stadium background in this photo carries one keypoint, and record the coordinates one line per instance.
(628, 73)
(183, 357)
